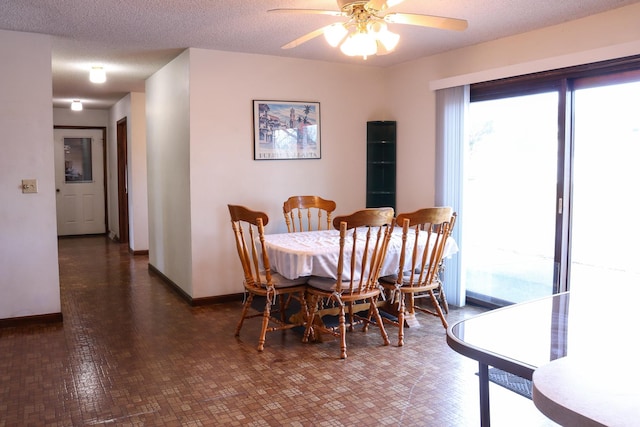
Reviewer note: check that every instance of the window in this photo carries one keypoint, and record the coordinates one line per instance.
(77, 160)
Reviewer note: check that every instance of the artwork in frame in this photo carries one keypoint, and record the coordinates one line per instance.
(285, 130)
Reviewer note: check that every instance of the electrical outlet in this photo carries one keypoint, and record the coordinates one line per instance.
(29, 185)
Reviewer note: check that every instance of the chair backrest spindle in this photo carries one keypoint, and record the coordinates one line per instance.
(436, 223)
(369, 231)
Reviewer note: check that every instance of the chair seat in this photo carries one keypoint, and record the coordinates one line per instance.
(406, 276)
(279, 281)
(391, 279)
(325, 283)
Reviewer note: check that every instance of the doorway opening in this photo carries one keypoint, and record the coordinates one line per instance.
(123, 194)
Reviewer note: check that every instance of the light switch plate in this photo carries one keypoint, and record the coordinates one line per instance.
(29, 185)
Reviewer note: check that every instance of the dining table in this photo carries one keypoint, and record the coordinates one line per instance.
(580, 351)
(315, 253)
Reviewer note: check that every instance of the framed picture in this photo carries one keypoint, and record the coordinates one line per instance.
(286, 130)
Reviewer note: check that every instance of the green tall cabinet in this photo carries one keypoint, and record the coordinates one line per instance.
(381, 164)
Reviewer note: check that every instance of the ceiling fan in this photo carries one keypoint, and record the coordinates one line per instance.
(365, 31)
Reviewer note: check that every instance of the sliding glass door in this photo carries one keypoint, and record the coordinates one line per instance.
(509, 198)
(549, 183)
(605, 209)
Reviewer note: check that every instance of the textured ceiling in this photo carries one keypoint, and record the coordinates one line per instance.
(134, 38)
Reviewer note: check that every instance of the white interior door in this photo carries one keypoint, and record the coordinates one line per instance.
(79, 170)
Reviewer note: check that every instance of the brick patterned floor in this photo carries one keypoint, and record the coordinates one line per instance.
(132, 352)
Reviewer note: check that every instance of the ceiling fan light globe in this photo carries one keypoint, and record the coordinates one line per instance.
(389, 40)
(381, 5)
(376, 26)
(335, 33)
(347, 47)
(359, 44)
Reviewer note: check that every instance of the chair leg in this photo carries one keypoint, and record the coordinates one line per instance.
(266, 314)
(310, 317)
(401, 306)
(351, 316)
(376, 313)
(343, 332)
(436, 305)
(303, 308)
(284, 302)
(443, 299)
(411, 305)
(245, 308)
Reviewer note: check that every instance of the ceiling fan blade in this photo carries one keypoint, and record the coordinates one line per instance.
(306, 38)
(381, 5)
(311, 11)
(427, 21)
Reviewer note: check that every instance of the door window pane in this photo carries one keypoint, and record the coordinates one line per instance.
(509, 200)
(77, 160)
(605, 209)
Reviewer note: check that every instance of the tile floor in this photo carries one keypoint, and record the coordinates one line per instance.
(132, 352)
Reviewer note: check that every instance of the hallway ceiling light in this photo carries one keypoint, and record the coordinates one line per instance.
(76, 105)
(97, 74)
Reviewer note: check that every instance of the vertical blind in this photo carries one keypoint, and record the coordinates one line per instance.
(451, 108)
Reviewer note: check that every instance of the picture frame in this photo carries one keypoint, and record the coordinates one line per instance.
(286, 130)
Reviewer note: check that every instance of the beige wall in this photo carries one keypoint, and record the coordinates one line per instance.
(66, 117)
(220, 167)
(29, 283)
(608, 35)
(168, 150)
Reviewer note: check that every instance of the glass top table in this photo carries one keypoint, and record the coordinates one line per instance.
(522, 337)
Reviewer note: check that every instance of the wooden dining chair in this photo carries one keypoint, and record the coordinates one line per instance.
(307, 213)
(364, 237)
(418, 267)
(248, 229)
(439, 293)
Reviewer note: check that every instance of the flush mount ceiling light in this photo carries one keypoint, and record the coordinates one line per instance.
(97, 74)
(76, 105)
(365, 32)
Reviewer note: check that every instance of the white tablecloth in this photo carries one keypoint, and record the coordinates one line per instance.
(315, 253)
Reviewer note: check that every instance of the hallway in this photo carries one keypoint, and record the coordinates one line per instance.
(132, 352)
